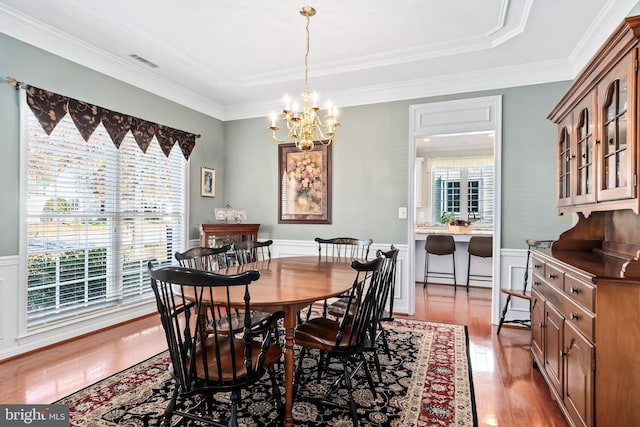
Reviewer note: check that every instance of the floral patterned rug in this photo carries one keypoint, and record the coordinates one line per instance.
(427, 382)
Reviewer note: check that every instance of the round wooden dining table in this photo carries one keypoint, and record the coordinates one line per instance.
(290, 284)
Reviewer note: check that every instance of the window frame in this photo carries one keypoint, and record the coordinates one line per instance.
(107, 310)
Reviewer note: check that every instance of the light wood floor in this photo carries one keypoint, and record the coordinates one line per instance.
(508, 390)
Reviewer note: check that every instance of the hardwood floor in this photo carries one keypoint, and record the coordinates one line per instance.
(508, 390)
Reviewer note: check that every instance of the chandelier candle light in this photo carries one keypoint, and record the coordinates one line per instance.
(305, 126)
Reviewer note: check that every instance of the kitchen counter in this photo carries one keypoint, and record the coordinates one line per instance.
(422, 232)
(443, 263)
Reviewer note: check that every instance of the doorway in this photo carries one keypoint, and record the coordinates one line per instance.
(443, 121)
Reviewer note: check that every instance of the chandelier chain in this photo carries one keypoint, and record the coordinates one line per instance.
(306, 59)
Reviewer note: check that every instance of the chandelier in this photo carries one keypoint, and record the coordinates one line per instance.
(303, 127)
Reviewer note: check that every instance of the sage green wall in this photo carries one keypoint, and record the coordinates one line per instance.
(369, 180)
(371, 170)
(370, 156)
(39, 68)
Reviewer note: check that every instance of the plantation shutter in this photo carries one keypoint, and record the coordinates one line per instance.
(464, 187)
(95, 215)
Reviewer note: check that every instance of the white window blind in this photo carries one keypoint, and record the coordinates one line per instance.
(463, 188)
(95, 216)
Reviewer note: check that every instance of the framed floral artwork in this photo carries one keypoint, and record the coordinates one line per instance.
(207, 182)
(304, 183)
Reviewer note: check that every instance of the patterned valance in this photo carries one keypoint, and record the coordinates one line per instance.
(50, 108)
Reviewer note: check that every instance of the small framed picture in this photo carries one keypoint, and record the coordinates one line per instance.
(207, 182)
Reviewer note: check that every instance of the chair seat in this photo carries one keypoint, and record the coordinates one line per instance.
(320, 333)
(258, 318)
(516, 294)
(338, 307)
(272, 356)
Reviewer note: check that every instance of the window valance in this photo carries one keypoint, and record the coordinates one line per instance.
(49, 108)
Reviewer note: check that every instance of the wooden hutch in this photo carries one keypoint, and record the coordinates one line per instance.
(586, 287)
(215, 235)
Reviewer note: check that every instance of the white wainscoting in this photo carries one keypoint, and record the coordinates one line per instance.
(285, 248)
(15, 339)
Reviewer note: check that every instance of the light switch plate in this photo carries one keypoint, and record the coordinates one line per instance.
(402, 213)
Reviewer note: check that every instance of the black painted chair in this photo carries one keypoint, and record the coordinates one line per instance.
(213, 259)
(525, 294)
(248, 251)
(204, 359)
(344, 340)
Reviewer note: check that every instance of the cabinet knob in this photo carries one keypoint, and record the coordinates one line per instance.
(540, 325)
(536, 266)
(553, 276)
(574, 290)
(597, 141)
(573, 156)
(574, 316)
(536, 283)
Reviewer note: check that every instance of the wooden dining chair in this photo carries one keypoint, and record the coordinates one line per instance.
(343, 339)
(213, 259)
(203, 361)
(383, 305)
(248, 251)
(204, 258)
(344, 249)
(340, 249)
(525, 293)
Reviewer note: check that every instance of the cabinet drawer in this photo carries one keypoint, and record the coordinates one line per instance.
(537, 266)
(537, 282)
(579, 291)
(580, 318)
(554, 276)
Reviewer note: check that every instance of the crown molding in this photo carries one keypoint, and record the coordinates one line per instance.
(24, 28)
(610, 16)
(489, 79)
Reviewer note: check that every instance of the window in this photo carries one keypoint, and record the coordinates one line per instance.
(463, 192)
(95, 215)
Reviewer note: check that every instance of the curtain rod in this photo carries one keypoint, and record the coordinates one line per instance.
(21, 85)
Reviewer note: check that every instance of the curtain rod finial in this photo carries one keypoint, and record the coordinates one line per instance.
(12, 81)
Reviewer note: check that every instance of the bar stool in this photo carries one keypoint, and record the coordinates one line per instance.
(482, 247)
(439, 244)
(525, 294)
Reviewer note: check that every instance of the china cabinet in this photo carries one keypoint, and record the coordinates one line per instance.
(586, 287)
(215, 235)
(597, 122)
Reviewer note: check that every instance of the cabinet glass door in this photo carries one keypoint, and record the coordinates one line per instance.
(564, 163)
(616, 154)
(585, 191)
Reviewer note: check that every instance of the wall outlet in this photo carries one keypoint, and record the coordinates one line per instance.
(402, 213)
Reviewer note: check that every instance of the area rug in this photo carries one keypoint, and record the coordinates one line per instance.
(426, 382)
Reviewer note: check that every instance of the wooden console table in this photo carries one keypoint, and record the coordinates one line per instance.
(215, 235)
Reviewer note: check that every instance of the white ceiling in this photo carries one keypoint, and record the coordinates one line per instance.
(237, 58)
